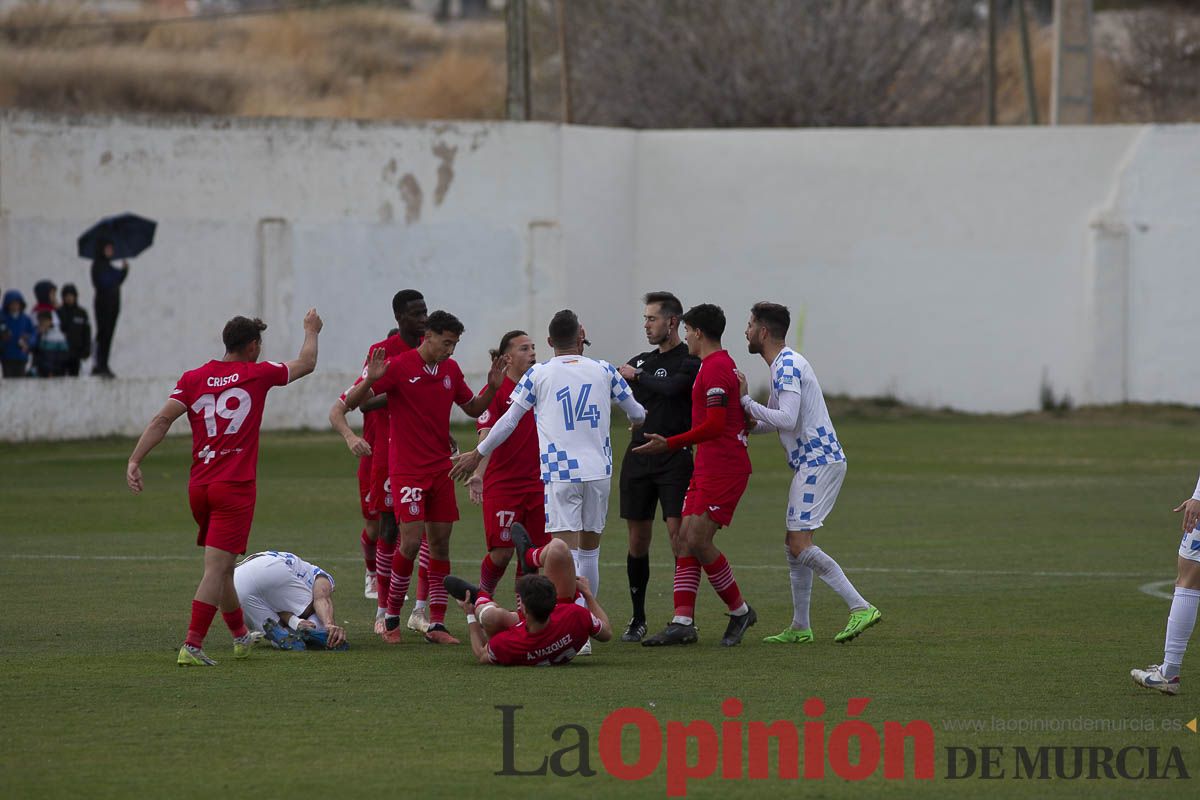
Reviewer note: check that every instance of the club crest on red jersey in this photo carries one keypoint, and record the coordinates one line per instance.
(446, 381)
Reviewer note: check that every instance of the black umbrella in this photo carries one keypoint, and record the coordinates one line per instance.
(128, 233)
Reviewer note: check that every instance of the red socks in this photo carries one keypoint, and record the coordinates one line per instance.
(720, 575)
(687, 584)
(533, 559)
(233, 619)
(423, 570)
(368, 548)
(384, 553)
(202, 617)
(438, 570)
(401, 576)
(489, 575)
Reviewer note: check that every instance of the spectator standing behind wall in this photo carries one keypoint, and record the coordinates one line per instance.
(18, 335)
(73, 321)
(107, 280)
(45, 295)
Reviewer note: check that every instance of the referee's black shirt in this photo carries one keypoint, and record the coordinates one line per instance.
(664, 388)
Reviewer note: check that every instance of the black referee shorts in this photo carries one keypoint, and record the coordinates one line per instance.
(650, 480)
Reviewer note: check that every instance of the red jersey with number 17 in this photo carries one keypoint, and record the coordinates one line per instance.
(515, 467)
(224, 402)
(717, 385)
(419, 397)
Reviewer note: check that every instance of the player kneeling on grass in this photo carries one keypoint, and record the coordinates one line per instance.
(290, 600)
(553, 629)
(1182, 619)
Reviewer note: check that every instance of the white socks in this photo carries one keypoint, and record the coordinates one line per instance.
(802, 578)
(828, 570)
(588, 565)
(1179, 629)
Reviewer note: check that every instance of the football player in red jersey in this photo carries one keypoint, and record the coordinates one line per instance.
(720, 476)
(360, 448)
(553, 628)
(224, 402)
(509, 481)
(421, 386)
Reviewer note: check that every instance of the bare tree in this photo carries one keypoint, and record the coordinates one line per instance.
(1158, 63)
(770, 63)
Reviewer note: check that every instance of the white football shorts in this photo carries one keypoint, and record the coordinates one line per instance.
(266, 585)
(577, 506)
(1189, 548)
(813, 492)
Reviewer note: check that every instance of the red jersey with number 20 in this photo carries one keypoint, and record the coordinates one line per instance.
(224, 402)
(566, 632)
(419, 397)
(717, 385)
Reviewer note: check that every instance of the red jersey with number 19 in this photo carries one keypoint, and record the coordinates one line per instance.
(717, 385)
(224, 402)
(419, 397)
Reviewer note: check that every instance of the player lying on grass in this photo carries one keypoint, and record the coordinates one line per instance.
(280, 592)
(224, 402)
(1182, 619)
(554, 629)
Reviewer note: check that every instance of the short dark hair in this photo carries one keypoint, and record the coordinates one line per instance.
(538, 596)
(240, 332)
(505, 341)
(706, 318)
(403, 297)
(564, 329)
(45, 316)
(444, 322)
(392, 332)
(772, 316)
(668, 302)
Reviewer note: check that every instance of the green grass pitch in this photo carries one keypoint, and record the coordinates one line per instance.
(1005, 554)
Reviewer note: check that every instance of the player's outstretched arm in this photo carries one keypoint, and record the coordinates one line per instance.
(306, 361)
(376, 369)
(480, 402)
(337, 420)
(154, 433)
(323, 608)
(467, 463)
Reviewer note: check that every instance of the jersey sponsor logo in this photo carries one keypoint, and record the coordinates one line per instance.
(206, 454)
(223, 381)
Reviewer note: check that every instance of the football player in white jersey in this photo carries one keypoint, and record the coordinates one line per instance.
(571, 394)
(1186, 600)
(797, 412)
(281, 591)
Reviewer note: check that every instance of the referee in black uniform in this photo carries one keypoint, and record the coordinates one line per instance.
(662, 381)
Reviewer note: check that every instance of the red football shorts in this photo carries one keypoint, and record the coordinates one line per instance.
(381, 492)
(715, 495)
(224, 512)
(364, 488)
(428, 497)
(500, 511)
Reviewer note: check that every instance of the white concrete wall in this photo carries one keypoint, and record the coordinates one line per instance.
(951, 267)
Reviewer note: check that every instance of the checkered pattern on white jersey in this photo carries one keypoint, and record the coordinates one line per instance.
(813, 442)
(572, 397)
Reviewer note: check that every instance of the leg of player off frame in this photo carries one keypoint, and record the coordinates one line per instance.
(804, 553)
(419, 619)
(438, 535)
(682, 627)
(368, 538)
(637, 568)
(407, 550)
(1180, 624)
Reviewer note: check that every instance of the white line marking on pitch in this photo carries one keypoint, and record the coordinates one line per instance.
(612, 564)
(1155, 589)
